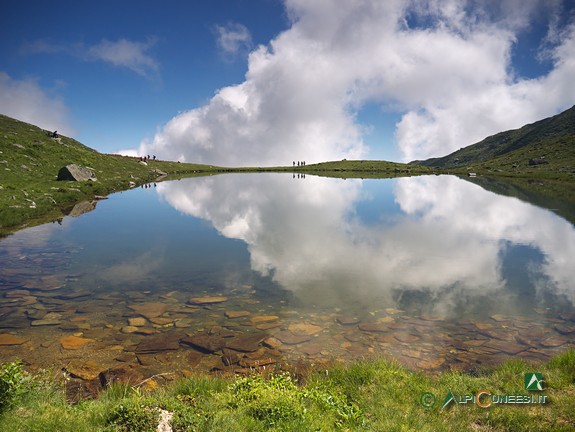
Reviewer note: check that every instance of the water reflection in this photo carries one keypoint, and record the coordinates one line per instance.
(434, 271)
(331, 240)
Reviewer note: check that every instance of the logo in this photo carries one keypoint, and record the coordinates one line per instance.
(448, 399)
(534, 381)
(485, 398)
(427, 400)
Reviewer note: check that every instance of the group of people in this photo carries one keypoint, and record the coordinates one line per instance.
(299, 163)
(302, 175)
(147, 158)
(147, 186)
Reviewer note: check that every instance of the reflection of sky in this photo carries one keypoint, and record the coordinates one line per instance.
(340, 238)
(436, 243)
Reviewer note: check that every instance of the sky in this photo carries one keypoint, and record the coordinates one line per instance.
(268, 82)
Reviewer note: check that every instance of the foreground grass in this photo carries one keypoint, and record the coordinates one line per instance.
(366, 395)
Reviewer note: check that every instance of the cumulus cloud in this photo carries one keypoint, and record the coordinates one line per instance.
(445, 66)
(123, 53)
(25, 100)
(233, 38)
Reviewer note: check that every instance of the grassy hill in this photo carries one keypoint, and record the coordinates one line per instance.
(29, 163)
(509, 153)
(364, 169)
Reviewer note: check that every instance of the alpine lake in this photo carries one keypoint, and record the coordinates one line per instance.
(240, 272)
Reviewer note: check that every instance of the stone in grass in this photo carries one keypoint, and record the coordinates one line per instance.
(75, 172)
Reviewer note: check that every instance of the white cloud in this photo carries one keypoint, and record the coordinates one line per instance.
(25, 100)
(446, 66)
(233, 38)
(127, 54)
(122, 53)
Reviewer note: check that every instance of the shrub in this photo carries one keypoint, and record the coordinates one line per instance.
(278, 399)
(14, 382)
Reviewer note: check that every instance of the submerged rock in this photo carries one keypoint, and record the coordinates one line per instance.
(304, 328)
(207, 300)
(8, 339)
(246, 343)
(159, 342)
(149, 310)
(237, 314)
(205, 342)
(74, 342)
(289, 338)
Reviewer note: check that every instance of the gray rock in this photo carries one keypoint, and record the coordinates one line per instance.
(75, 172)
(538, 161)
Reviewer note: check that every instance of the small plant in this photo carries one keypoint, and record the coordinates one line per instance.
(272, 401)
(278, 399)
(14, 382)
(129, 417)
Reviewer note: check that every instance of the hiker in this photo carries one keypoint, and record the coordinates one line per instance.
(154, 157)
(54, 134)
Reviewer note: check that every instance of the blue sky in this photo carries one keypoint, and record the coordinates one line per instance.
(262, 82)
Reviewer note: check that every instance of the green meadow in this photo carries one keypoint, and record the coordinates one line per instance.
(370, 395)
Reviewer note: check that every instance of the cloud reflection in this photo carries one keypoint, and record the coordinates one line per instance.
(443, 236)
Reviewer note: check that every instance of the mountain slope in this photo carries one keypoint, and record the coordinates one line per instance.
(551, 140)
(29, 163)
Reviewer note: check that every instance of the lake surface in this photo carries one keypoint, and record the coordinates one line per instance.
(237, 271)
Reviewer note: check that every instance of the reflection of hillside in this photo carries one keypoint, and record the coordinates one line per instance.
(556, 196)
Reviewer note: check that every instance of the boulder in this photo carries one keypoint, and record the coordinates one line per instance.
(75, 172)
(538, 161)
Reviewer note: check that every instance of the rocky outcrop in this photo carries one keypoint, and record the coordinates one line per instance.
(75, 172)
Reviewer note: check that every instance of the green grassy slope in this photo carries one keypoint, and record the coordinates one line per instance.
(29, 164)
(364, 169)
(552, 139)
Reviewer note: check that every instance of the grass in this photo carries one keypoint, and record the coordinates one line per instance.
(366, 395)
(29, 164)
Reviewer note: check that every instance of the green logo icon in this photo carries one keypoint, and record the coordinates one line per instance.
(534, 381)
(427, 400)
(448, 399)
